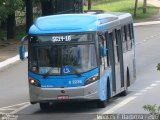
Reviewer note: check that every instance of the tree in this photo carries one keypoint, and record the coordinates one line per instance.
(89, 4)
(3, 14)
(11, 25)
(8, 8)
(47, 7)
(145, 6)
(29, 14)
(50, 7)
(135, 8)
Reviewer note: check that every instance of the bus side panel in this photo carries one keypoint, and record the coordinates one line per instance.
(134, 50)
(129, 58)
(102, 85)
(129, 63)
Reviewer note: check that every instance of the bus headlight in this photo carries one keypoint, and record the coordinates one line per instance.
(34, 82)
(91, 79)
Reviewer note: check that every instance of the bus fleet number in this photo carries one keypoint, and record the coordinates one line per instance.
(61, 38)
(73, 82)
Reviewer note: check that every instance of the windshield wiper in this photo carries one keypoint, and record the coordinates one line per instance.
(48, 72)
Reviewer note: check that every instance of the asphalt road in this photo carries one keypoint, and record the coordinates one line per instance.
(14, 87)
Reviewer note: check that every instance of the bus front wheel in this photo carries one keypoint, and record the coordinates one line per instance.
(102, 104)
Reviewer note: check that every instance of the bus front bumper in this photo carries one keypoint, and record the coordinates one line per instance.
(88, 92)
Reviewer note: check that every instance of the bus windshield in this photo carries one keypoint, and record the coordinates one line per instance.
(62, 59)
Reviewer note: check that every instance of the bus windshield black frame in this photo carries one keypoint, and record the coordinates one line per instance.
(62, 54)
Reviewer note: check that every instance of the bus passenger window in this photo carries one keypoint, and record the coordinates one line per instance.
(130, 33)
(115, 49)
(124, 39)
(129, 41)
(125, 33)
(117, 46)
(103, 51)
(107, 50)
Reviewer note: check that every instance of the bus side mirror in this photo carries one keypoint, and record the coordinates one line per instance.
(103, 52)
(22, 48)
(22, 52)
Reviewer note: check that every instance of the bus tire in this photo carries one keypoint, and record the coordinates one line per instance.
(102, 104)
(108, 90)
(124, 93)
(44, 106)
(128, 78)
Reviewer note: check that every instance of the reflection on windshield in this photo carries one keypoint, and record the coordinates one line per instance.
(63, 59)
(71, 55)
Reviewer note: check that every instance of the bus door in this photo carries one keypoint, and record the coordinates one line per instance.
(118, 38)
(115, 62)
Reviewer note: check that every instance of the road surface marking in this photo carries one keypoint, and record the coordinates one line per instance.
(121, 104)
(138, 94)
(19, 109)
(14, 108)
(6, 109)
(15, 105)
(154, 84)
(143, 90)
(157, 36)
(148, 88)
(131, 98)
(158, 81)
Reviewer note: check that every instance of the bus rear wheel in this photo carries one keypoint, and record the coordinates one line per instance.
(124, 93)
(44, 106)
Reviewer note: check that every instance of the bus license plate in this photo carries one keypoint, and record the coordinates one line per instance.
(63, 97)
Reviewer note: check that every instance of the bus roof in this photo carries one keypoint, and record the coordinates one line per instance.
(87, 22)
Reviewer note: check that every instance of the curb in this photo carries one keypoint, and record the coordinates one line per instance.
(11, 60)
(146, 23)
(17, 58)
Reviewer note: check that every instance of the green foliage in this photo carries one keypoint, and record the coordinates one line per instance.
(7, 7)
(153, 110)
(150, 108)
(158, 66)
(124, 6)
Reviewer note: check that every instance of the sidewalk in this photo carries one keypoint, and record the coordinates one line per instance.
(8, 53)
(9, 49)
(154, 2)
(156, 17)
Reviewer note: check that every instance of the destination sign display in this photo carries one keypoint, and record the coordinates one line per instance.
(61, 38)
(64, 38)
